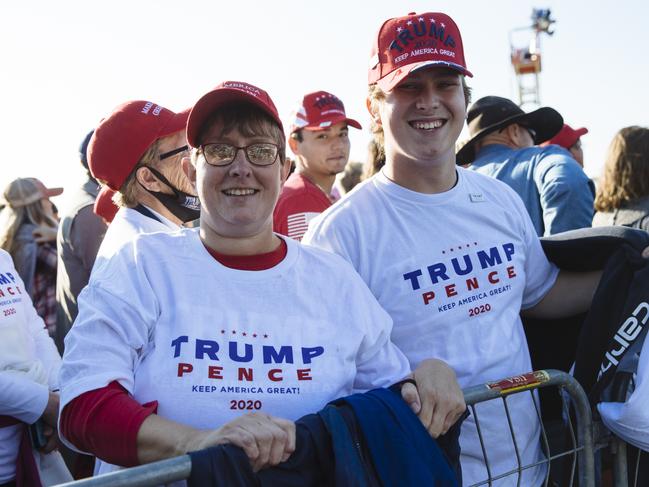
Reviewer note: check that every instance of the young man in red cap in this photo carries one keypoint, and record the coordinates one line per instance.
(450, 254)
(319, 139)
(136, 151)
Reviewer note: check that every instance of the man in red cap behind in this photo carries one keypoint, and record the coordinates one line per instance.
(136, 152)
(570, 139)
(319, 139)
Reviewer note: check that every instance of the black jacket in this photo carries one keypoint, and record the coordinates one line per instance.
(585, 339)
(363, 440)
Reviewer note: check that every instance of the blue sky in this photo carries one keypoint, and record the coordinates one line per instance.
(66, 64)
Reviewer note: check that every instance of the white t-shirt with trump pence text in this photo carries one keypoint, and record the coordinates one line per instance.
(210, 343)
(453, 270)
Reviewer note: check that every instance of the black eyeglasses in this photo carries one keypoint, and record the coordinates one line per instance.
(173, 152)
(261, 154)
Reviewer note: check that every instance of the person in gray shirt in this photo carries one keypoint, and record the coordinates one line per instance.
(80, 233)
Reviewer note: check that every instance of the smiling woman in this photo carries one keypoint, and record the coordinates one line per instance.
(180, 359)
(238, 168)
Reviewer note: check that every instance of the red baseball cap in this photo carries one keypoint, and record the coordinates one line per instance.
(567, 136)
(225, 93)
(404, 44)
(123, 137)
(319, 111)
(104, 205)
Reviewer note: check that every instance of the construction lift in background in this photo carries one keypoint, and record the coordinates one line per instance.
(525, 44)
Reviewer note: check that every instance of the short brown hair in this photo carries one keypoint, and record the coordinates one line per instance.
(626, 169)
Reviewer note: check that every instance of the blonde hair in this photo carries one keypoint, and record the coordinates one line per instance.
(626, 170)
(127, 196)
(22, 204)
(375, 154)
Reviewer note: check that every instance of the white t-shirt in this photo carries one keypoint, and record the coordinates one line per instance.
(210, 343)
(29, 363)
(128, 224)
(453, 270)
(630, 420)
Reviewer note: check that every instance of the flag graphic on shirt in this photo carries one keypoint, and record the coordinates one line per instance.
(298, 223)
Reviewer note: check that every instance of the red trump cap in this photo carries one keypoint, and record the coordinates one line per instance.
(225, 93)
(404, 44)
(122, 138)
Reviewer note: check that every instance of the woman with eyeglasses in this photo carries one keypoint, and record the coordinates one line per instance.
(229, 332)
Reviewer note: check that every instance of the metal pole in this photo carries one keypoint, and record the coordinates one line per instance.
(620, 466)
(149, 475)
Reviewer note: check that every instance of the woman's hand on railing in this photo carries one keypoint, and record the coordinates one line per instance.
(266, 440)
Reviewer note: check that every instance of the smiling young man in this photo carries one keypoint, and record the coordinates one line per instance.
(319, 139)
(449, 253)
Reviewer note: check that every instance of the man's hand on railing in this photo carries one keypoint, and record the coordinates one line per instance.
(437, 399)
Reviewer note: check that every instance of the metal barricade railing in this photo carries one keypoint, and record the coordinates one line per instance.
(627, 474)
(580, 451)
(618, 457)
(149, 475)
(581, 448)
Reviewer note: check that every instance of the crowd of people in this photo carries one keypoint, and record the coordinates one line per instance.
(203, 289)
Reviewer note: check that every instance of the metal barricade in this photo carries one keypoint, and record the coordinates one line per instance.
(626, 469)
(149, 475)
(581, 450)
(619, 462)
